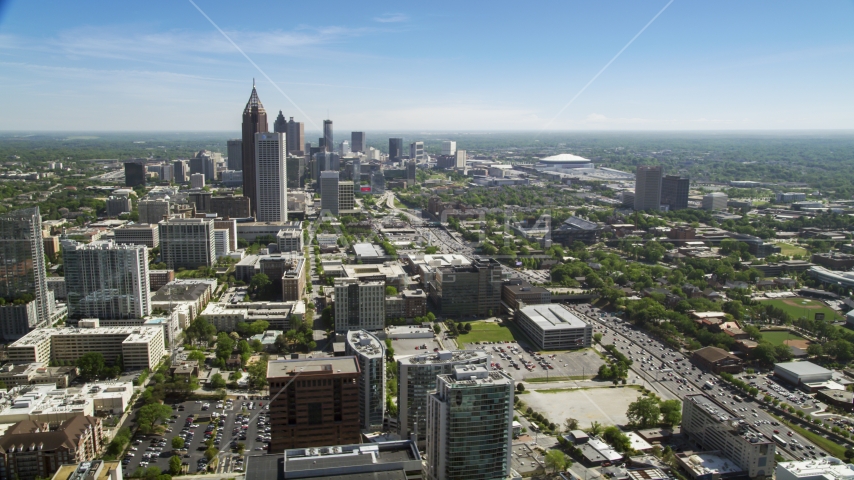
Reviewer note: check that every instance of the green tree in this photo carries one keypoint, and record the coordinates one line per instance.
(91, 365)
(175, 465)
(217, 381)
(597, 337)
(520, 387)
(595, 428)
(177, 443)
(557, 460)
(644, 412)
(390, 291)
(148, 416)
(211, 453)
(671, 412)
(617, 439)
(571, 424)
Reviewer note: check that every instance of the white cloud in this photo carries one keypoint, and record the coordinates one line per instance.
(392, 18)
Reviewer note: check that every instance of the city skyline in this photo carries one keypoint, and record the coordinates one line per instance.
(695, 67)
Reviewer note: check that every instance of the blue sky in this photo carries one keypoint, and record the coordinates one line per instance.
(428, 66)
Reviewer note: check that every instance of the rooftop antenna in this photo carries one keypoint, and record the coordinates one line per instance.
(253, 82)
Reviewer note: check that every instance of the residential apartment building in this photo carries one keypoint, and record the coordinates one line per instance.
(222, 241)
(147, 234)
(463, 290)
(106, 280)
(315, 402)
(369, 351)
(359, 305)
(158, 278)
(470, 425)
(22, 274)
(417, 377)
(139, 346)
(713, 428)
(118, 205)
(30, 450)
(187, 242)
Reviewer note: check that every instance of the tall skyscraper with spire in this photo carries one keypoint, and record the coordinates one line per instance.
(280, 125)
(254, 121)
(327, 135)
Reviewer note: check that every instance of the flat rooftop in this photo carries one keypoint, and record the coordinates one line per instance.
(443, 356)
(138, 332)
(710, 407)
(552, 317)
(829, 468)
(365, 344)
(331, 365)
(709, 463)
(802, 368)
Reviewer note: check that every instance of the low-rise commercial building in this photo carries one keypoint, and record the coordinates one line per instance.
(716, 360)
(94, 470)
(554, 327)
(13, 375)
(514, 292)
(195, 293)
(806, 375)
(279, 315)
(815, 469)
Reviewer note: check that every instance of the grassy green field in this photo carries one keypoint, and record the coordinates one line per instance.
(778, 337)
(789, 249)
(804, 306)
(487, 332)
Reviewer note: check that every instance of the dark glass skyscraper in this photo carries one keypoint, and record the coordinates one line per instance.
(357, 141)
(674, 192)
(280, 125)
(395, 149)
(254, 121)
(327, 135)
(134, 173)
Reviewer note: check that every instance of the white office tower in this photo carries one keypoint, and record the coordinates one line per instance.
(187, 242)
(370, 353)
(167, 172)
(417, 378)
(449, 147)
(715, 201)
(344, 148)
(197, 180)
(460, 160)
(416, 151)
(271, 183)
(470, 425)
(222, 241)
(106, 280)
(329, 192)
(359, 305)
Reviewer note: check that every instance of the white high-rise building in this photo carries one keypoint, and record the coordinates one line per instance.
(470, 425)
(449, 147)
(460, 161)
(715, 201)
(359, 305)
(222, 241)
(197, 180)
(416, 151)
(271, 183)
(106, 280)
(22, 274)
(417, 378)
(344, 148)
(370, 353)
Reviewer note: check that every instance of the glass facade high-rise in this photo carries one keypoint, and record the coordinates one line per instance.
(357, 142)
(395, 149)
(106, 280)
(254, 121)
(235, 154)
(470, 425)
(648, 187)
(296, 137)
(674, 192)
(22, 274)
(134, 173)
(327, 136)
(280, 125)
(370, 353)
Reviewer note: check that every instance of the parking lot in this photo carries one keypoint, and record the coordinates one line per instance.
(604, 405)
(559, 365)
(232, 423)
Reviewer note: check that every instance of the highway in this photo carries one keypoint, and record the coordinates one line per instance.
(660, 364)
